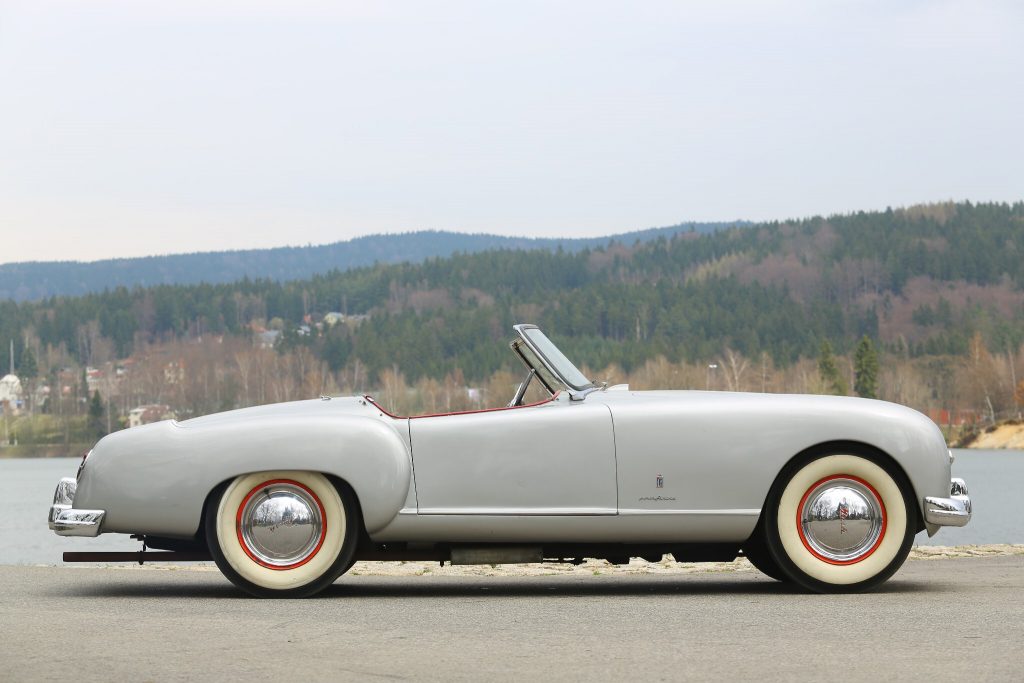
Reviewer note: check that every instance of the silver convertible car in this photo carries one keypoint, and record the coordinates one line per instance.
(825, 492)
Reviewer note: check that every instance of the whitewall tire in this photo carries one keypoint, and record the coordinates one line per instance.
(838, 522)
(282, 533)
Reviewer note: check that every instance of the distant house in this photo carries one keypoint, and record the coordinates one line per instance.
(267, 338)
(333, 318)
(174, 372)
(143, 415)
(10, 393)
(93, 377)
(957, 418)
(42, 395)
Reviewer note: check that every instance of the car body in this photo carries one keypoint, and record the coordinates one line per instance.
(588, 472)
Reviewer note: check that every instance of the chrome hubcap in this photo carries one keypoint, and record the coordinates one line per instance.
(841, 519)
(281, 524)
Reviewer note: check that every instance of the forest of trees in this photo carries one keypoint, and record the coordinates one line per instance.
(935, 289)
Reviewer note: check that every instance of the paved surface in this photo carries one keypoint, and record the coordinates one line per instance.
(943, 620)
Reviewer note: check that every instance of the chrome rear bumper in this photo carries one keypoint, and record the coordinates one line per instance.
(65, 520)
(952, 511)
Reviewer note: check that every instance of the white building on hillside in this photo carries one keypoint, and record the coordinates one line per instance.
(10, 388)
(10, 393)
(144, 415)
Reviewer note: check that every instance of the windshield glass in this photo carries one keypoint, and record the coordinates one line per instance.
(556, 359)
(550, 382)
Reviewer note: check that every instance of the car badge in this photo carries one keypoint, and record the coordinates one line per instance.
(659, 482)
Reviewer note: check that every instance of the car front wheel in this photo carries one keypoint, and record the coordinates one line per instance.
(284, 533)
(840, 522)
(757, 553)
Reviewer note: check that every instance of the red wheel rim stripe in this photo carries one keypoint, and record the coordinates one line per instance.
(800, 525)
(245, 546)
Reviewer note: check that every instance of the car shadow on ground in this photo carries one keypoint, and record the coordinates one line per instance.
(527, 587)
(419, 587)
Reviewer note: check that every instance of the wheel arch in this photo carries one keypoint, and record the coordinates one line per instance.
(846, 447)
(213, 497)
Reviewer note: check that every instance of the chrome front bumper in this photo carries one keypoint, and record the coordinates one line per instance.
(952, 511)
(65, 520)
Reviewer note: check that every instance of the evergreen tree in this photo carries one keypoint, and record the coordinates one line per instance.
(829, 372)
(28, 369)
(96, 415)
(865, 369)
(83, 385)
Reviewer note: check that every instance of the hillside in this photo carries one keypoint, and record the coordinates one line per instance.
(936, 289)
(40, 280)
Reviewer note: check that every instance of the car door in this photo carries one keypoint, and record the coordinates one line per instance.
(557, 458)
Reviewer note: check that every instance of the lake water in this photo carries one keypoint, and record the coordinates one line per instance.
(26, 490)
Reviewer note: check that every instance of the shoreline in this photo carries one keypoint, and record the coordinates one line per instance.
(43, 451)
(591, 567)
(1004, 436)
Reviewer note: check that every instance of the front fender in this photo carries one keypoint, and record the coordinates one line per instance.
(155, 479)
(720, 450)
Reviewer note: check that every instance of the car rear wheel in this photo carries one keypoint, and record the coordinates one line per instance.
(840, 522)
(284, 533)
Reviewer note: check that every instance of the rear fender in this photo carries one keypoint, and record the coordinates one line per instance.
(155, 479)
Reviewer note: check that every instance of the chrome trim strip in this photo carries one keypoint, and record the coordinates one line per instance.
(520, 512)
(575, 512)
(952, 511)
(730, 513)
(65, 520)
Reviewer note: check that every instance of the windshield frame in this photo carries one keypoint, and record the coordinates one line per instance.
(549, 365)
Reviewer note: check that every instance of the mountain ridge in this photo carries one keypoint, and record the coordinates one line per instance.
(37, 280)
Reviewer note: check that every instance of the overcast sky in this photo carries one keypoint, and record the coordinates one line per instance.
(132, 128)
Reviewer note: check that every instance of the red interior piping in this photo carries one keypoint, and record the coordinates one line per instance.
(460, 412)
